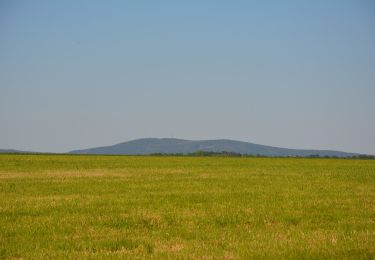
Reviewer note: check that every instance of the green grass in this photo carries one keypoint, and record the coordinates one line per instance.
(57, 206)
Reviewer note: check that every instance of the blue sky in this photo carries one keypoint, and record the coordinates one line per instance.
(77, 74)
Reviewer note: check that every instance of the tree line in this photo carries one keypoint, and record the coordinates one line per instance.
(233, 154)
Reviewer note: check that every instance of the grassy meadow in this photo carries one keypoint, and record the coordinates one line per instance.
(73, 206)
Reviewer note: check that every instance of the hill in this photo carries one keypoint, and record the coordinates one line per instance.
(13, 151)
(179, 146)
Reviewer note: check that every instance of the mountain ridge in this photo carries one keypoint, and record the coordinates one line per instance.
(145, 146)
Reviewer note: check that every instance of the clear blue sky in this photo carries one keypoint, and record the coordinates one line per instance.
(77, 74)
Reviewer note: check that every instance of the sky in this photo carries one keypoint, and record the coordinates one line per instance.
(77, 74)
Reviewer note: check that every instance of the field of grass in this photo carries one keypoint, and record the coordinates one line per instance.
(60, 206)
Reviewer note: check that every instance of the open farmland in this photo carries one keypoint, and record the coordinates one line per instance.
(72, 206)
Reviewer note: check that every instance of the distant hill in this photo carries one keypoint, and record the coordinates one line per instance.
(13, 151)
(173, 146)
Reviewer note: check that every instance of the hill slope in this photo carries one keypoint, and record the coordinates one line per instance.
(13, 151)
(171, 145)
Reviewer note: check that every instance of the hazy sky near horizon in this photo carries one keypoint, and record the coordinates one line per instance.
(78, 74)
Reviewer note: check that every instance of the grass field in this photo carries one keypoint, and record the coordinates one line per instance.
(59, 206)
